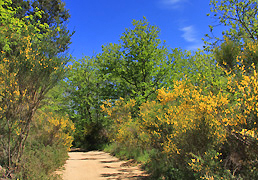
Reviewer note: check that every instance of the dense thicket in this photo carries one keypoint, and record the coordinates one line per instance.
(85, 90)
(28, 71)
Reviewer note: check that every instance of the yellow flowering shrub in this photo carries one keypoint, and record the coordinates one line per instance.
(121, 116)
(211, 132)
(26, 74)
(54, 128)
(239, 154)
(245, 90)
(186, 119)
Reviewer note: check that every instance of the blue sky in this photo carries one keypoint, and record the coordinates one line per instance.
(98, 22)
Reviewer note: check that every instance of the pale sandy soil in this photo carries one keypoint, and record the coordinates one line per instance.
(98, 165)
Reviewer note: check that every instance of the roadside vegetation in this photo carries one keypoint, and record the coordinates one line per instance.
(35, 133)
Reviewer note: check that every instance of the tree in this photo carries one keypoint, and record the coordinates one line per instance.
(85, 91)
(226, 54)
(139, 61)
(198, 67)
(27, 73)
(240, 19)
(240, 16)
(54, 15)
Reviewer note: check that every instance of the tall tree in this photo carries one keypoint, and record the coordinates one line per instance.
(27, 73)
(55, 15)
(239, 16)
(139, 61)
(197, 67)
(241, 28)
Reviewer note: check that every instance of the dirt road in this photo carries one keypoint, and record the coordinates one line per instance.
(98, 165)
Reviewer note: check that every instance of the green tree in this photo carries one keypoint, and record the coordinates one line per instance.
(22, 7)
(138, 62)
(226, 54)
(54, 15)
(27, 73)
(239, 16)
(198, 67)
(85, 91)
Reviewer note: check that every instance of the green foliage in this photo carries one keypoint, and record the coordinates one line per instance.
(198, 67)
(39, 162)
(139, 61)
(239, 16)
(194, 130)
(209, 166)
(54, 15)
(226, 54)
(85, 92)
(27, 72)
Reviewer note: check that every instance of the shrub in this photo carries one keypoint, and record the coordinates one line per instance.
(46, 147)
(192, 130)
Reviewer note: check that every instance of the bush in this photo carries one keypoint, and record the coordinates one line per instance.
(189, 123)
(39, 162)
(192, 131)
(46, 147)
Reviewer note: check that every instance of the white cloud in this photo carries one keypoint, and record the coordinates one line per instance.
(174, 4)
(190, 35)
(171, 1)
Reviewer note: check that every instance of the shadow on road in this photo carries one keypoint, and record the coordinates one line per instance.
(121, 170)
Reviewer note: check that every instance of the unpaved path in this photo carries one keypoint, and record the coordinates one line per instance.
(98, 165)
